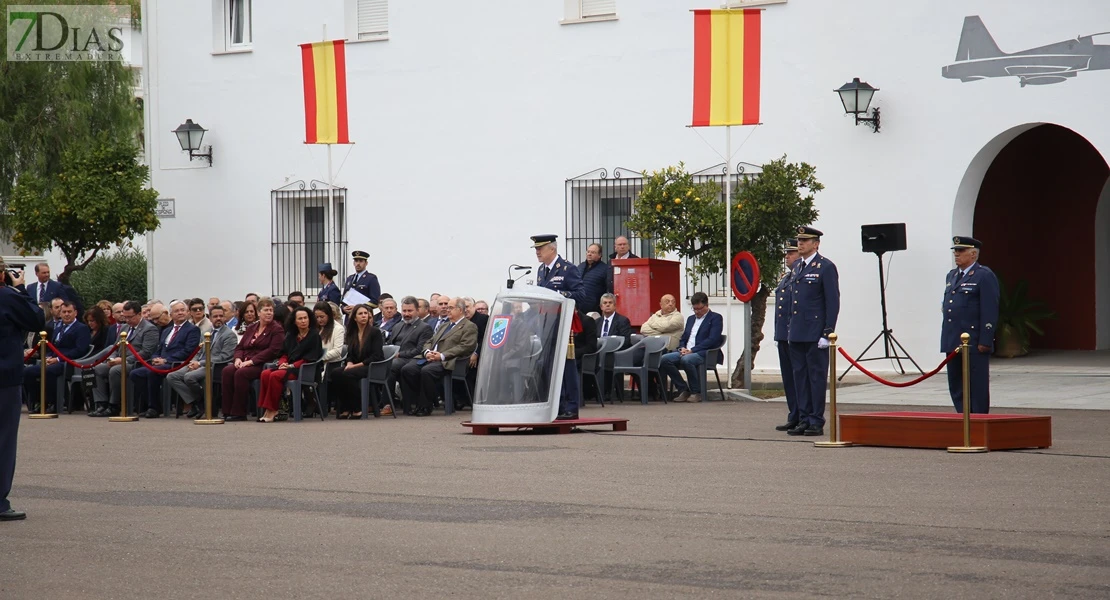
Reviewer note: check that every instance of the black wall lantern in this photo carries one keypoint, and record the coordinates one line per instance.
(856, 97)
(189, 135)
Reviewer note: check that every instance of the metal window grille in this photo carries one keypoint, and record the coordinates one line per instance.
(298, 234)
(598, 207)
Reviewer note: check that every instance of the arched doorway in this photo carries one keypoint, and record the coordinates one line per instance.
(1038, 197)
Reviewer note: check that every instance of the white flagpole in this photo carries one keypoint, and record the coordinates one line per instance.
(728, 254)
(331, 245)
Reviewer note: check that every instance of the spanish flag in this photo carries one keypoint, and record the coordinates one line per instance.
(726, 67)
(325, 93)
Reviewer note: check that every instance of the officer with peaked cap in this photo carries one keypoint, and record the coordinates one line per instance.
(970, 306)
(783, 303)
(815, 306)
(362, 280)
(561, 276)
(329, 292)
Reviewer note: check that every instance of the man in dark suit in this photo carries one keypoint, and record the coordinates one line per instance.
(19, 315)
(480, 321)
(612, 323)
(783, 302)
(72, 338)
(422, 379)
(816, 306)
(175, 344)
(702, 333)
(409, 336)
(365, 282)
(970, 305)
(622, 249)
(143, 336)
(561, 276)
(45, 289)
(388, 318)
(597, 278)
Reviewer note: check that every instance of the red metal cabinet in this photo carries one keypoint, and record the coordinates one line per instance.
(639, 283)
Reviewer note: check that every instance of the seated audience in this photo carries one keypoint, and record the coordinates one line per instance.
(665, 321)
(106, 308)
(213, 302)
(248, 315)
(613, 323)
(231, 311)
(174, 345)
(189, 382)
(422, 310)
(143, 337)
(261, 343)
(71, 338)
(196, 315)
(364, 346)
(481, 307)
(702, 333)
(409, 336)
(388, 318)
(99, 329)
(331, 331)
(422, 379)
(302, 345)
(295, 297)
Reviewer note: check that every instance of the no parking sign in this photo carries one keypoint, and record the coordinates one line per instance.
(745, 276)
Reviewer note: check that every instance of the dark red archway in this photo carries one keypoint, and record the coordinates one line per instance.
(1035, 215)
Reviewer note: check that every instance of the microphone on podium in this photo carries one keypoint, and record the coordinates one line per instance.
(509, 283)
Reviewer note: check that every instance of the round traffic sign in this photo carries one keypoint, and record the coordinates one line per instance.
(745, 276)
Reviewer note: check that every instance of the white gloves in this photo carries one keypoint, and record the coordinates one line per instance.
(823, 343)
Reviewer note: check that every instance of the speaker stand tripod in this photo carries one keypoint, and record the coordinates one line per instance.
(891, 346)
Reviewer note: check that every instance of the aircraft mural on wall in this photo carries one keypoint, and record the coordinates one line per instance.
(979, 57)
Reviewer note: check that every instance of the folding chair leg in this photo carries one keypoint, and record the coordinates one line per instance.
(644, 387)
(389, 396)
(448, 395)
(719, 388)
(296, 400)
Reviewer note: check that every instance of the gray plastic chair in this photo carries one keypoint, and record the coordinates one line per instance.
(377, 373)
(457, 374)
(606, 347)
(711, 359)
(638, 360)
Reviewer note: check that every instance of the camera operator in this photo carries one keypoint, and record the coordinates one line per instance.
(18, 315)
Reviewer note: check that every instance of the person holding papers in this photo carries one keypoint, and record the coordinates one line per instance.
(361, 286)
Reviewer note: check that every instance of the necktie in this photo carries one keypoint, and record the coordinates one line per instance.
(172, 333)
(440, 323)
(605, 329)
(959, 276)
(40, 292)
(546, 272)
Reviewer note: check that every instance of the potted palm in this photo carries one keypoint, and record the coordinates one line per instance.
(1018, 319)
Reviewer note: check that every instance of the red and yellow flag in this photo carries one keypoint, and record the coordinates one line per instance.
(325, 92)
(726, 67)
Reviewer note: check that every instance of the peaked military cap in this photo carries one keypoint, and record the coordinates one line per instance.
(543, 240)
(962, 241)
(360, 254)
(809, 233)
(791, 245)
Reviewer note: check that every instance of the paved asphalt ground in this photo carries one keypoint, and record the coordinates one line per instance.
(693, 501)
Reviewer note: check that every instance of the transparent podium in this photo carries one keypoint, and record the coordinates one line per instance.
(524, 353)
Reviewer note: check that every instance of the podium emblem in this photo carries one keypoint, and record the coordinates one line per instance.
(499, 331)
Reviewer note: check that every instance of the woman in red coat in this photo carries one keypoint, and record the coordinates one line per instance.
(302, 345)
(261, 344)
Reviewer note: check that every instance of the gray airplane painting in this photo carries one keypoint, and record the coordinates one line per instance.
(978, 57)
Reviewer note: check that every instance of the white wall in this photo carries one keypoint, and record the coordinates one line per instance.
(470, 117)
(1102, 269)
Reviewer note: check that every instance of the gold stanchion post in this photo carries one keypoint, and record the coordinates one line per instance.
(833, 442)
(208, 420)
(42, 414)
(124, 416)
(965, 358)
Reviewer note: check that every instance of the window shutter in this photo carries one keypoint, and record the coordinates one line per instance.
(597, 8)
(373, 18)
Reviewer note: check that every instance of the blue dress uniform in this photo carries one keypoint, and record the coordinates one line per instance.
(18, 315)
(563, 277)
(365, 282)
(783, 302)
(815, 308)
(970, 306)
(330, 292)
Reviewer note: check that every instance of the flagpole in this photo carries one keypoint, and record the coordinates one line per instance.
(331, 247)
(728, 253)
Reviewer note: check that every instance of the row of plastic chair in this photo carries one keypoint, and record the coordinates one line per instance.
(641, 360)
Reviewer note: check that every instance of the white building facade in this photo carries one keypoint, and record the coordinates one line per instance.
(471, 119)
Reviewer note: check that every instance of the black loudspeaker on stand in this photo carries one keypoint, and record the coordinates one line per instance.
(879, 239)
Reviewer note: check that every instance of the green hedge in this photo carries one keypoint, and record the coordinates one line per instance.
(117, 276)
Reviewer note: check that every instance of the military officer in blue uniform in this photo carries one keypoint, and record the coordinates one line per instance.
(561, 276)
(970, 306)
(783, 303)
(362, 280)
(814, 309)
(18, 315)
(329, 292)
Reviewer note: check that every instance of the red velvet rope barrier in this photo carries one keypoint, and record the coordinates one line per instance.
(58, 353)
(904, 383)
(155, 369)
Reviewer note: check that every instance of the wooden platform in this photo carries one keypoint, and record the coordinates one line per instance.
(941, 430)
(553, 427)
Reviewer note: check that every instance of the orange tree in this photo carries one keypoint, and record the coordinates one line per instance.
(688, 219)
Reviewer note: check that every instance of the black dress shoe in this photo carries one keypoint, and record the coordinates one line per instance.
(194, 413)
(567, 416)
(97, 410)
(235, 418)
(787, 426)
(151, 414)
(422, 412)
(812, 431)
(799, 429)
(12, 515)
(35, 408)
